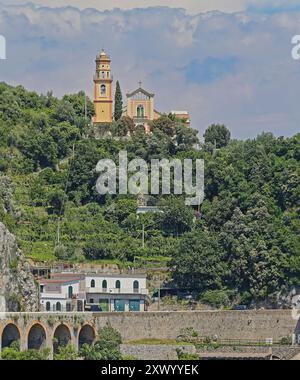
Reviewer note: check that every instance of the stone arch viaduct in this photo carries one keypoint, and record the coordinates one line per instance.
(36, 330)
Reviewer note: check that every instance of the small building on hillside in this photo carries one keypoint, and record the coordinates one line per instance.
(62, 294)
(117, 292)
(182, 116)
(67, 292)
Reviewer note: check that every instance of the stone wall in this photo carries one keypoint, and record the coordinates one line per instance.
(248, 325)
(155, 352)
(251, 325)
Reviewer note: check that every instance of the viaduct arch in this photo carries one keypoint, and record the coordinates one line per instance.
(10, 334)
(36, 338)
(87, 335)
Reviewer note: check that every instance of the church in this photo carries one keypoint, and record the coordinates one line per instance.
(140, 103)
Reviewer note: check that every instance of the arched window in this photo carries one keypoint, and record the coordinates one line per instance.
(93, 284)
(103, 74)
(58, 306)
(140, 111)
(103, 89)
(118, 285)
(136, 286)
(48, 306)
(70, 291)
(104, 285)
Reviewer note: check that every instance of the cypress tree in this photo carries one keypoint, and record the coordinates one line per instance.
(118, 102)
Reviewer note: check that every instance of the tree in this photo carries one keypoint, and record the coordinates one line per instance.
(118, 102)
(65, 112)
(123, 126)
(165, 124)
(177, 218)
(57, 200)
(79, 102)
(217, 135)
(66, 353)
(106, 348)
(198, 262)
(185, 138)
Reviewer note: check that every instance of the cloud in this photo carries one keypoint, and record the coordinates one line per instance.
(210, 70)
(275, 6)
(193, 6)
(230, 68)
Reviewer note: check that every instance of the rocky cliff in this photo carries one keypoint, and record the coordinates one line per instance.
(18, 290)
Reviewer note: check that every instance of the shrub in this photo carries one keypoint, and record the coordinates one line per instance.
(215, 298)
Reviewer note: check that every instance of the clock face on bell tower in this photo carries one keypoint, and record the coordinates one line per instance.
(103, 89)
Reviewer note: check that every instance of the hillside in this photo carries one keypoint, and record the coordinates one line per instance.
(245, 246)
(18, 290)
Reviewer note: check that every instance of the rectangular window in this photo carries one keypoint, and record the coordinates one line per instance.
(119, 305)
(91, 300)
(134, 305)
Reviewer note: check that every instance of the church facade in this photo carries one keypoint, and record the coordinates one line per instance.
(140, 103)
(140, 107)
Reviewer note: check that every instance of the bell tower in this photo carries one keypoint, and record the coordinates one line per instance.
(103, 89)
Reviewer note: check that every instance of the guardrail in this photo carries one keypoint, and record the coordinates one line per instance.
(234, 342)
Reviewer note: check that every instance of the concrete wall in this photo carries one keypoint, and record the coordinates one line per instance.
(251, 325)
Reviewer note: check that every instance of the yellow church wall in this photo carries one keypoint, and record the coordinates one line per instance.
(132, 108)
(103, 112)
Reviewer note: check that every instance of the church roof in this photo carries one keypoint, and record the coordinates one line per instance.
(140, 89)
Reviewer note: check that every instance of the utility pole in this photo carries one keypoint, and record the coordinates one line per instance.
(143, 236)
(58, 232)
(159, 287)
(85, 106)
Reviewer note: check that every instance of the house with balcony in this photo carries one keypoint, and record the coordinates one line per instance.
(61, 294)
(117, 292)
(67, 292)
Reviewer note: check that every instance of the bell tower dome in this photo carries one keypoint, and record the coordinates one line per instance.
(103, 89)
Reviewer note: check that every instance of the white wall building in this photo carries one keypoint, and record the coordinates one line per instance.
(94, 292)
(60, 295)
(117, 292)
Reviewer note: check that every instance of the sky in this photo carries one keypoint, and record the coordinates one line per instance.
(225, 61)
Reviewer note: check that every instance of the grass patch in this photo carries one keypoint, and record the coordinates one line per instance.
(155, 342)
(38, 257)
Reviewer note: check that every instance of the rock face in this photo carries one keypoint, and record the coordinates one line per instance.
(18, 290)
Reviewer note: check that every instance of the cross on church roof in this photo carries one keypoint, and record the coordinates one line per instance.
(140, 84)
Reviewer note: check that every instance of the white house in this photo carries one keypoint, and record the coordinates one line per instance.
(117, 292)
(62, 294)
(94, 292)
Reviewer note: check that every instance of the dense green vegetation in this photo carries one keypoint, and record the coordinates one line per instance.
(244, 244)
